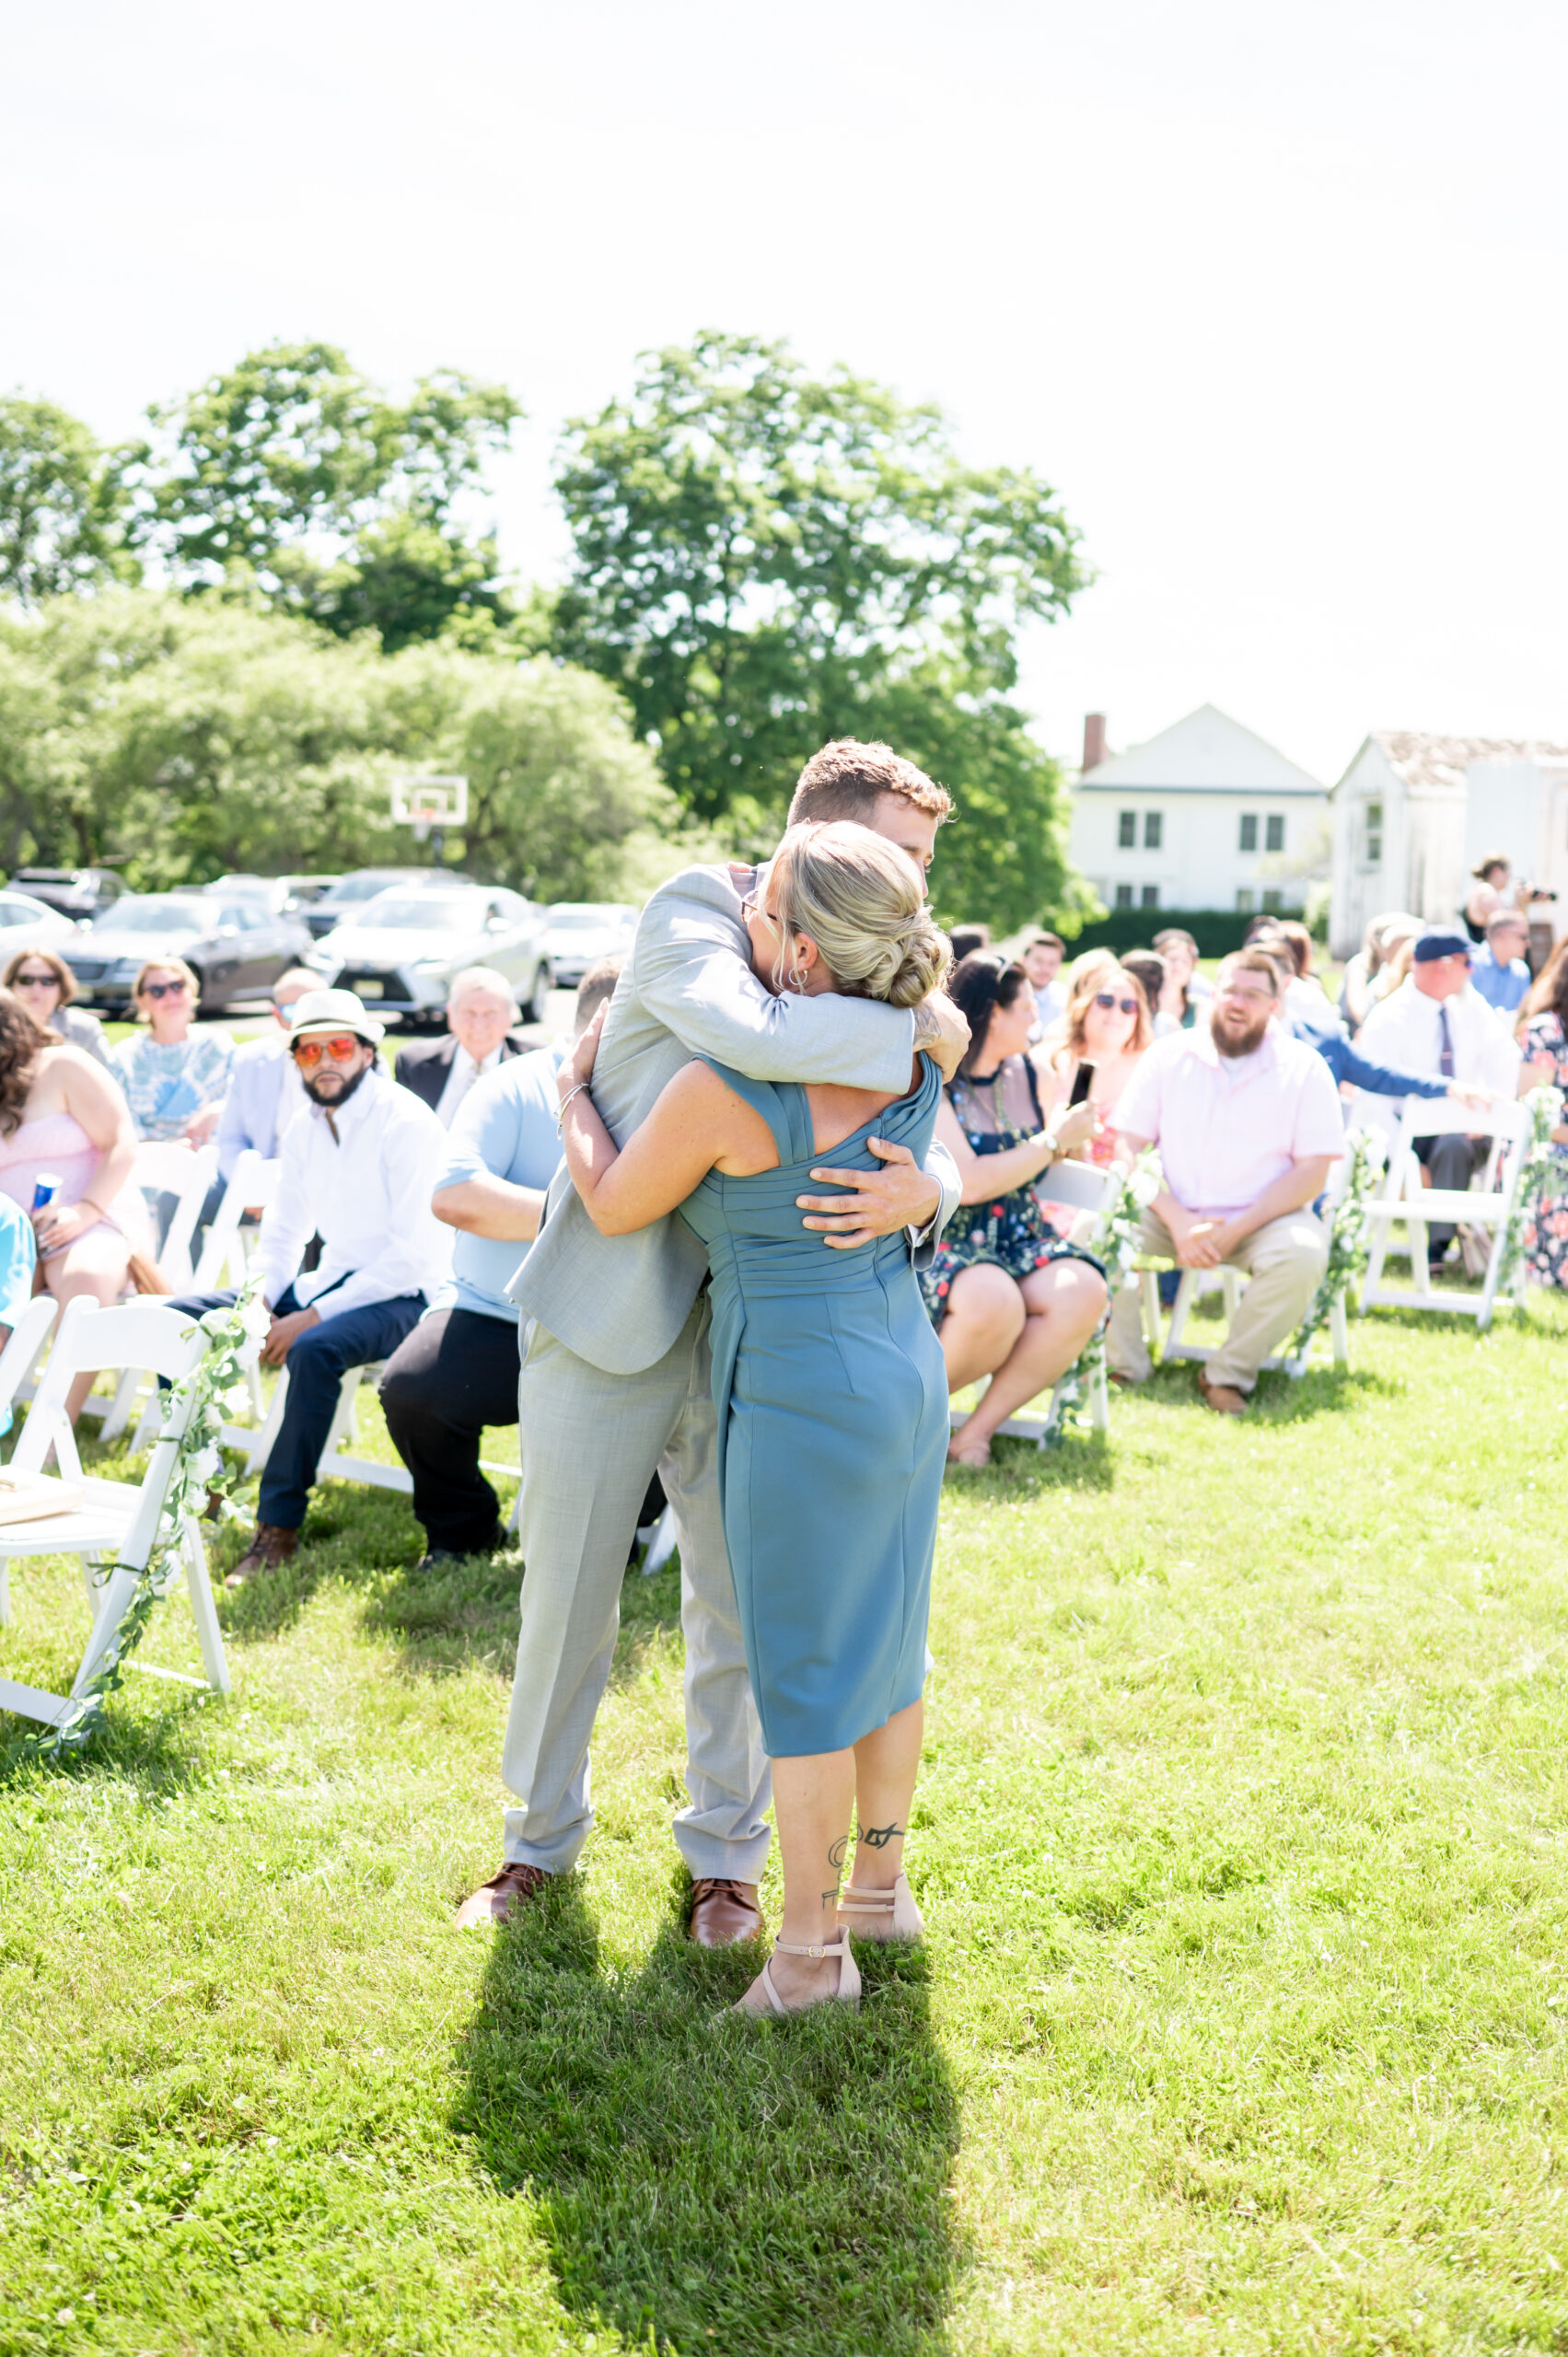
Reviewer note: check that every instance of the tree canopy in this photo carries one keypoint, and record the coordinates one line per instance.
(765, 559)
(62, 503)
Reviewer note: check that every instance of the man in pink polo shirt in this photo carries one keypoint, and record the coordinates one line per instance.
(1246, 1120)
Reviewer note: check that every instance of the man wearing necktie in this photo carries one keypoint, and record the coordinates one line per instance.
(480, 1011)
(1437, 1022)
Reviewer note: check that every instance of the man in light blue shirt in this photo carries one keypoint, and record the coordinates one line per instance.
(457, 1371)
(1497, 968)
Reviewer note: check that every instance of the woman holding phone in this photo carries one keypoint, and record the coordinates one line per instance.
(1107, 1031)
(1009, 1297)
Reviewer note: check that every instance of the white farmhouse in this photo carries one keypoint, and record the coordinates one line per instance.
(1413, 814)
(1204, 816)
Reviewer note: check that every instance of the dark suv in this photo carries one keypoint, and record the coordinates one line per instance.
(74, 891)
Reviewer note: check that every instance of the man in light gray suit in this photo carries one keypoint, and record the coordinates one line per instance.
(616, 1377)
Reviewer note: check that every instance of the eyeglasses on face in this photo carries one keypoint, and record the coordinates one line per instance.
(1108, 998)
(44, 981)
(343, 1049)
(177, 989)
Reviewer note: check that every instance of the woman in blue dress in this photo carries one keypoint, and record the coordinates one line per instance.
(830, 1390)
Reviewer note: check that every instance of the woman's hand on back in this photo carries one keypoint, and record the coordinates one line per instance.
(578, 1068)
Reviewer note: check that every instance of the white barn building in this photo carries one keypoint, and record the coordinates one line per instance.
(1204, 816)
(1413, 814)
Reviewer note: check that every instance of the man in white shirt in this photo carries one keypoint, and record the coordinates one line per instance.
(1042, 963)
(480, 1011)
(1247, 1122)
(1437, 1022)
(358, 1169)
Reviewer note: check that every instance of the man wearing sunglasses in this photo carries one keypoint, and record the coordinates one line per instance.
(357, 1168)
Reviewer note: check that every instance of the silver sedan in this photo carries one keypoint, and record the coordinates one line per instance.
(402, 949)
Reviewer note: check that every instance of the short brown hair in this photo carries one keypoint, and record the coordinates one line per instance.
(596, 985)
(1256, 960)
(57, 967)
(847, 780)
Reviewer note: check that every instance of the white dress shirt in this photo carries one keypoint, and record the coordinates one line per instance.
(1405, 1031)
(265, 1093)
(461, 1075)
(361, 1180)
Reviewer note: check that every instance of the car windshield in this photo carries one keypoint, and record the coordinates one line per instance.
(428, 912)
(161, 913)
(353, 888)
(581, 919)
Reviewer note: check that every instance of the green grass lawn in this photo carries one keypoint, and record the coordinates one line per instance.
(1242, 2026)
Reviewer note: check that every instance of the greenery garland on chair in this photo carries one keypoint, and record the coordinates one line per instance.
(1349, 1232)
(1541, 1161)
(1116, 1244)
(216, 1384)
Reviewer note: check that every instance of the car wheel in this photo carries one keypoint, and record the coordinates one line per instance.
(538, 1000)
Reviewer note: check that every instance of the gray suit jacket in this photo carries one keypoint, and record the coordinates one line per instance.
(688, 988)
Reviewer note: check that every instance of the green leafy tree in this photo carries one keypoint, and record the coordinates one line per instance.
(764, 560)
(293, 470)
(61, 505)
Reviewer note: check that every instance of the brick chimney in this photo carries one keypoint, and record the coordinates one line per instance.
(1093, 740)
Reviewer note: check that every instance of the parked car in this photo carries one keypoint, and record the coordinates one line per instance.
(237, 947)
(582, 932)
(24, 921)
(402, 949)
(346, 893)
(76, 893)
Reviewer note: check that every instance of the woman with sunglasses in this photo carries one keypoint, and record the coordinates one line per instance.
(175, 1078)
(62, 1114)
(1109, 1028)
(1009, 1297)
(46, 986)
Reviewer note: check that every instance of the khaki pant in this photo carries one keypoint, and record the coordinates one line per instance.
(590, 1443)
(1285, 1261)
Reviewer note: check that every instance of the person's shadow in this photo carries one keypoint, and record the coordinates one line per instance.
(714, 2181)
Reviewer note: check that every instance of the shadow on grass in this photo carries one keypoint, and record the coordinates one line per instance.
(154, 1755)
(351, 1535)
(706, 2182)
(466, 1612)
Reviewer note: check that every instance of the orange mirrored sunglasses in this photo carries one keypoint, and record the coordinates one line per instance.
(342, 1049)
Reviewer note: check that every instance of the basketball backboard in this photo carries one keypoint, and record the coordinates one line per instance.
(427, 799)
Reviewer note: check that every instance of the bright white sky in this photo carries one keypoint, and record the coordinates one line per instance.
(1272, 295)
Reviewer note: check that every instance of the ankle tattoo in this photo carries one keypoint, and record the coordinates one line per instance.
(876, 1836)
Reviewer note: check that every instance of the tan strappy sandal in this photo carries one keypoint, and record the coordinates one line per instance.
(883, 1914)
(846, 1994)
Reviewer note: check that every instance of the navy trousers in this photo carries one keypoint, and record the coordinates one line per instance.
(317, 1364)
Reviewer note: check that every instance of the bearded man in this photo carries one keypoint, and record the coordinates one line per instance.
(1246, 1120)
(357, 1169)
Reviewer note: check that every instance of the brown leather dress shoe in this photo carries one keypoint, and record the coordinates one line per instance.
(1221, 1398)
(498, 1900)
(272, 1546)
(725, 1913)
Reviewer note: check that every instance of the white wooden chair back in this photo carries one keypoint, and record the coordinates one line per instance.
(1082, 1187)
(252, 1184)
(1403, 1200)
(164, 1167)
(26, 1338)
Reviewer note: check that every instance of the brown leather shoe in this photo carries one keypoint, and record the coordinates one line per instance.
(1221, 1398)
(272, 1546)
(725, 1913)
(498, 1900)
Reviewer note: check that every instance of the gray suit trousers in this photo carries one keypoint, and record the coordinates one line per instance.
(590, 1442)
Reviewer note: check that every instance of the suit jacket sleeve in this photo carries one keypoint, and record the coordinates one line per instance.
(691, 967)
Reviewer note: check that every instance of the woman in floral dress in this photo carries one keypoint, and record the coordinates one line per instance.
(1543, 1037)
(1009, 1298)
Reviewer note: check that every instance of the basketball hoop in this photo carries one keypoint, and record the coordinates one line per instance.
(429, 801)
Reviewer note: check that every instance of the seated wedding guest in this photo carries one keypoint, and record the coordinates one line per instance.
(1042, 957)
(1009, 1297)
(1499, 968)
(358, 1169)
(46, 986)
(967, 938)
(1378, 942)
(457, 1371)
(1185, 987)
(1247, 1122)
(1109, 1030)
(62, 1113)
(1437, 1023)
(174, 1078)
(1147, 968)
(480, 1012)
(1290, 945)
(1543, 1035)
(262, 1098)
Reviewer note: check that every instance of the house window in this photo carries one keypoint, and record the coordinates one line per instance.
(1127, 830)
(1273, 899)
(1124, 896)
(1250, 835)
(1244, 902)
(1273, 837)
(1154, 829)
(1373, 855)
(1149, 897)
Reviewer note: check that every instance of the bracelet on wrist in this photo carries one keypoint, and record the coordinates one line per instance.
(580, 1090)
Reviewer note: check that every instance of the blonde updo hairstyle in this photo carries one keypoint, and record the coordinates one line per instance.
(862, 900)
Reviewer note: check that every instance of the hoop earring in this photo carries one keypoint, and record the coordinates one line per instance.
(797, 981)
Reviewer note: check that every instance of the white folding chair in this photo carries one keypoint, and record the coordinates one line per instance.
(1402, 1200)
(26, 1338)
(116, 1520)
(164, 1167)
(1083, 1188)
(224, 1261)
